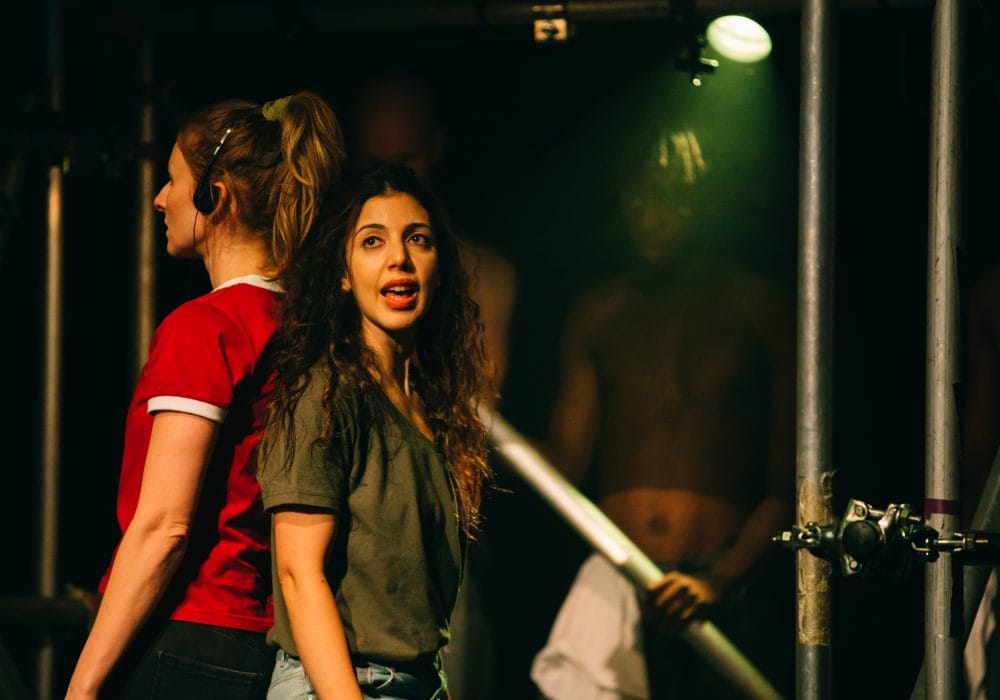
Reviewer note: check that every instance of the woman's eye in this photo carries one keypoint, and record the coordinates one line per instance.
(421, 239)
(370, 241)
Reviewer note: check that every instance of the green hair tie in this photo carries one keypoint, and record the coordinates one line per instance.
(274, 109)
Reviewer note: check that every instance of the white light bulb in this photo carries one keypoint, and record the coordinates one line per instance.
(739, 39)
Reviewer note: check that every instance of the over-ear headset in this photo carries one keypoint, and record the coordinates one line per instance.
(206, 194)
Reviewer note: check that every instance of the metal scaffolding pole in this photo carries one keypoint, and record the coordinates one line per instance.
(943, 616)
(814, 478)
(145, 264)
(48, 523)
(607, 539)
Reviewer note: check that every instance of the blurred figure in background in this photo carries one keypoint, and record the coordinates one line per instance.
(676, 414)
(396, 120)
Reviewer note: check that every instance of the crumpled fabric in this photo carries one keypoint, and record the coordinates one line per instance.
(979, 636)
(595, 648)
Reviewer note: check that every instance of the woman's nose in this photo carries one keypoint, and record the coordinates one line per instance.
(159, 201)
(399, 256)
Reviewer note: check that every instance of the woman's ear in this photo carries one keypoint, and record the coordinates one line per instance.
(226, 204)
(345, 283)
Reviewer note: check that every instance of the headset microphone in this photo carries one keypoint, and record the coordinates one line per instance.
(205, 193)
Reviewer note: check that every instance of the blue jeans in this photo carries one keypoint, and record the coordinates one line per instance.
(290, 682)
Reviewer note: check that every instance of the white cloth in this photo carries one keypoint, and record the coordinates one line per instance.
(975, 649)
(594, 651)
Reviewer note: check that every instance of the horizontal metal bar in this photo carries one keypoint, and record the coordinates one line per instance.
(44, 613)
(367, 16)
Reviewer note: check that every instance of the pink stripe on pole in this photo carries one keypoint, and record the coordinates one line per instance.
(940, 506)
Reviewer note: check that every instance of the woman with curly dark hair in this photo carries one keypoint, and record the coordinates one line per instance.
(373, 459)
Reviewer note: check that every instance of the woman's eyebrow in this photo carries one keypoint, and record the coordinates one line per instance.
(374, 225)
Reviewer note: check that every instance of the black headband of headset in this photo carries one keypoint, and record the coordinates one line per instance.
(205, 193)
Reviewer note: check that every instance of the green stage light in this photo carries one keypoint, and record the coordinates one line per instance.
(739, 39)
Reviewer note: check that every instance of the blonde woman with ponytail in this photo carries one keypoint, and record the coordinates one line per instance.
(185, 602)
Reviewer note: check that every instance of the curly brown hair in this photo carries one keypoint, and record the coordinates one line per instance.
(321, 322)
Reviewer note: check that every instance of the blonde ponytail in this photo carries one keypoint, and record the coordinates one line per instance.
(312, 155)
(279, 161)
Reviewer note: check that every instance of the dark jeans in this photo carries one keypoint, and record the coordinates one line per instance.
(189, 661)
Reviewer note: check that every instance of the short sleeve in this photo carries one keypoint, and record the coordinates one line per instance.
(306, 470)
(196, 358)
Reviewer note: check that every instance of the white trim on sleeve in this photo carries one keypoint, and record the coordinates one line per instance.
(183, 404)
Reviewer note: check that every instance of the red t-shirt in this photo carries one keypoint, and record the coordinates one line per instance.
(207, 358)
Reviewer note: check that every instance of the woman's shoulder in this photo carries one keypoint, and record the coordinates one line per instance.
(230, 302)
(198, 310)
(345, 398)
(193, 324)
(240, 331)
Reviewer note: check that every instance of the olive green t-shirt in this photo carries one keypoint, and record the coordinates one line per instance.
(396, 562)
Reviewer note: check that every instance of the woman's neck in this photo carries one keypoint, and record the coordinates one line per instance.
(232, 255)
(391, 360)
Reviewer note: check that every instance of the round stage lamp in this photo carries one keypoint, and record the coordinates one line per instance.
(739, 39)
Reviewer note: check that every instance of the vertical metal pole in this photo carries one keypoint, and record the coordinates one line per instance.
(815, 340)
(145, 264)
(48, 525)
(943, 608)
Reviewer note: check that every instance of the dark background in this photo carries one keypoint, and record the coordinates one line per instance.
(539, 136)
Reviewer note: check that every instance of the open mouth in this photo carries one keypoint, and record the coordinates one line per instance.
(400, 294)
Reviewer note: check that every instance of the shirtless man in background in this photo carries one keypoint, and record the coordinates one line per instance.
(676, 413)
